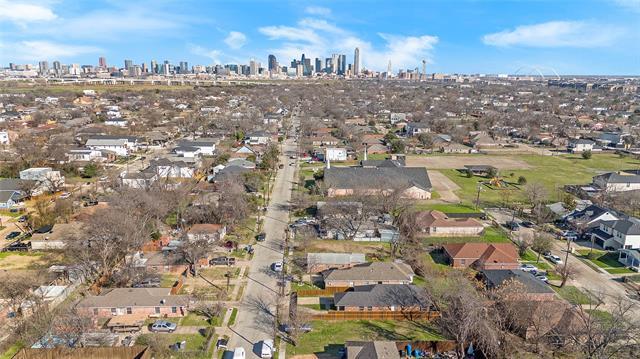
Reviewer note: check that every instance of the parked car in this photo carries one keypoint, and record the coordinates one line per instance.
(18, 247)
(238, 353)
(527, 224)
(261, 237)
(65, 195)
(277, 266)
(570, 235)
(12, 235)
(22, 219)
(303, 328)
(554, 259)
(222, 261)
(542, 278)
(163, 326)
(512, 225)
(222, 343)
(266, 350)
(528, 267)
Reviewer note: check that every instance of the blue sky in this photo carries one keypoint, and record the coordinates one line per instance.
(571, 37)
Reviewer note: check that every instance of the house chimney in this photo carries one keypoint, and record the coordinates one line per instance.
(365, 152)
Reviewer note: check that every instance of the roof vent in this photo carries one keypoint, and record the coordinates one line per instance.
(162, 301)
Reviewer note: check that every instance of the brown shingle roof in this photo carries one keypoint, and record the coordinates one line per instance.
(505, 252)
(438, 219)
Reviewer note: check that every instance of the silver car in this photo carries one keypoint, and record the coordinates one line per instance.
(163, 326)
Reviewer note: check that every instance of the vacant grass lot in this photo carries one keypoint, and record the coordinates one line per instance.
(446, 207)
(490, 235)
(196, 346)
(573, 295)
(551, 171)
(330, 336)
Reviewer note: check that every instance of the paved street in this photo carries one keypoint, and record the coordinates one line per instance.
(256, 315)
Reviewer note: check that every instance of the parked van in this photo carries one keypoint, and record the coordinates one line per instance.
(239, 353)
(267, 349)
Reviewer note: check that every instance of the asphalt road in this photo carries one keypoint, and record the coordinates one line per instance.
(256, 315)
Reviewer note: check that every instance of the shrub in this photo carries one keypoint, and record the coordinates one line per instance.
(522, 180)
(586, 155)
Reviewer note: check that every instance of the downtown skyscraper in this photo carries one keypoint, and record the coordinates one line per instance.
(356, 62)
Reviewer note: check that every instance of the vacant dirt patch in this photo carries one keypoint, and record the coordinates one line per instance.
(444, 186)
(20, 261)
(456, 162)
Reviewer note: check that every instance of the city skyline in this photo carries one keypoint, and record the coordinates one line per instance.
(496, 37)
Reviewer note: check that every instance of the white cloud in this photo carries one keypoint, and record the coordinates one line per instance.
(214, 55)
(319, 38)
(556, 34)
(23, 12)
(43, 50)
(235, 40)
(317, 10)
(633, 5)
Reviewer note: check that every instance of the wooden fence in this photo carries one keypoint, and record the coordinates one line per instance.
(321, 292)
(177, 286)
(375, 315)
(136, 351)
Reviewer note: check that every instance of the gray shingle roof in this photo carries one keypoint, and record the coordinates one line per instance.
(616, 177)
(377, 178)
(335, 258)
(135, 297)
(375, 271)
(497, 277)
(383, 295)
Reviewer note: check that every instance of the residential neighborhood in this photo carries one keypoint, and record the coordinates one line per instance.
(473, 218)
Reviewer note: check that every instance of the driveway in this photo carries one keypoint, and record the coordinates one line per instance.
(257, 309)
(444, 186)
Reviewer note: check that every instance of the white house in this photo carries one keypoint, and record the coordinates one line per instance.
(84, 155)
(118, 122)
(165, 168)
(207, 146)
(139, 180)
(630, 258)
(581, 145)
(618, 234)
(620, 181)
(416, 128)
(120, 145)
(335, 154)
(46, 178)
(4, 138)
(396, 117)
(257, 138)
(187, 151)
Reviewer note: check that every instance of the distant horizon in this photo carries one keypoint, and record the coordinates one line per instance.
(498, 37)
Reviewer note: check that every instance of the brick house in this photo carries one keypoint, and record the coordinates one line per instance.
(532, 288)
(140, 302)
(382, 297)
(436, 223)
(369, 273)
(482, 256)
(345, 181)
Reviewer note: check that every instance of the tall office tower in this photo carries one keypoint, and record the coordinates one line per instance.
(12, 66)
(318, 65)
(424, 69)
(342, 64)
(128, 64)
(334, 63)
(272, 64)
(327, 65)
(184, 67)
(144, 68)
(253, 67)
(300, 70)
(356, 62)
(102, 62)
(154, 66)
(307, 67)
(166, 68)
(389, 69)
(43, 67)
(57, 67)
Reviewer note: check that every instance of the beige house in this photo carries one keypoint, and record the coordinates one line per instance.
(369, 273)
(346, 181)
(437, 224)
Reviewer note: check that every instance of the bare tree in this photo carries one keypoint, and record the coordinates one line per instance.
(542, 242)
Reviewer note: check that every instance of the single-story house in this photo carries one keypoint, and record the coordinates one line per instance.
(57, 237)
(482, 255)
(369, 273)
(481, 170)
(319, 262)
(210, 231)
(142, 302)
(345, 181)
(436, 223)
(580, 145)
(630, 258)
(335, 154)
(620, 181)
(382, 297)
(378, 349)
(257, 138)
(534, 289)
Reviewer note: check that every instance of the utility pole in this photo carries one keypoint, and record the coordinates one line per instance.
(478, 195)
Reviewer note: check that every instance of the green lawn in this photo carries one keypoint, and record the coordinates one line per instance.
(232, 317)
(303, 286)
(446, 208)
(330, 336)
(195, 320)
(605, 260)
(573, 295)
(4, 255)
(215, 273)
(12, 351)
(551, 171)
(196, 343)
(490, 235)
(168, 280)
